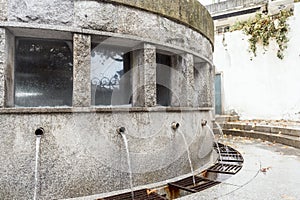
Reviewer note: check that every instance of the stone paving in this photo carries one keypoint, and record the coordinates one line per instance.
(270, 171)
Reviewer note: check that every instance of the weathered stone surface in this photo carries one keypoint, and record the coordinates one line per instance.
(182, 81)
(47, 11)
(81, 153)
(2, 65)
(82, 70)
(121, 19)
(144, 76)
(189, 12)
(3, 10)
(204, 84)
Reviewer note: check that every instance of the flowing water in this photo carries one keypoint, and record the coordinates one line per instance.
(216, 142)
(36, 169)
(222, 136)
(129, 163)
(189, 156)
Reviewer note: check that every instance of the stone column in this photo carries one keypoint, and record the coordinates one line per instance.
(2, 66)
(144, 76)
(81, 70)
(7, 48)
(3, 10)
(182, 80)
(204, 84)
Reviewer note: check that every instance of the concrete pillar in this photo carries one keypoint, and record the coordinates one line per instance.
(2, 66)
(204, 84)
(81, 70)
(7, 49)
(144, 76)
(3, 10)
(182, 80)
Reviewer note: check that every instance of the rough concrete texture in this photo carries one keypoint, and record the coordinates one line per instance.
(2, 65)
(189, 12)
(182, 80)
(3, 10)
(81, 70)
(144, 76)
(81, 153)
(47, 11)
(203, 84)
(121, 19)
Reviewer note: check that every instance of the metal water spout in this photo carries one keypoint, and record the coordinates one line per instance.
(175, 125)
(39, 131)
(121, 130)
(203, 122)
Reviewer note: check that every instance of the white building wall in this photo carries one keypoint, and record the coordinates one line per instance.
(264, 87)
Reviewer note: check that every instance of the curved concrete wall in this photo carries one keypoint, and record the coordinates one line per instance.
(81, 153)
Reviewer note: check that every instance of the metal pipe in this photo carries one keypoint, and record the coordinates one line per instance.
(175, 125)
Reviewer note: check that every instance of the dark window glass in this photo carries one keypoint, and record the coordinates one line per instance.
(43, 73)
(111, 84)
(163, 71)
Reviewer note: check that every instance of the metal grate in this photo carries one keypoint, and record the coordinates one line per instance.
(187, 184)
(231, 164)
(138, 195)
(225, 168)
(231, 157)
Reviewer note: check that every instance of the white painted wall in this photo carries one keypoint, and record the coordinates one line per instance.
(266, 87)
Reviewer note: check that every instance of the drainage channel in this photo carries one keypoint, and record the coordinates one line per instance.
(229, 163)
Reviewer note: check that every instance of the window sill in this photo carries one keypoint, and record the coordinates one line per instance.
(47, 110)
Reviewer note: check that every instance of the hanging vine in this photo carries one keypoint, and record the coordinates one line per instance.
(263, 28)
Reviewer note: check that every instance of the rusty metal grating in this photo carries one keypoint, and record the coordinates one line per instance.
(138, 195)
(225, 168)
(187, 184)
(230, 162)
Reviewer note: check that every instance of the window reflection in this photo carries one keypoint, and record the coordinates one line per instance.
(110, 83)
(43, 73)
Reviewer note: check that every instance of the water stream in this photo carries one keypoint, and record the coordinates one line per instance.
(36, 168)
(216, 142)
(189, 156)
(128, 163)
(222, 136)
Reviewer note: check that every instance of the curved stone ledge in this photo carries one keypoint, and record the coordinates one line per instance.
(188, 12)
(177, 27)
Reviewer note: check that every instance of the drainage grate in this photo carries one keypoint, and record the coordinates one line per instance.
(225, 168)
(138, 195)
(187, 184)
(231, 157)
(233, 164)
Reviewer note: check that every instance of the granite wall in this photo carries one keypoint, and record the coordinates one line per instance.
(81, 153)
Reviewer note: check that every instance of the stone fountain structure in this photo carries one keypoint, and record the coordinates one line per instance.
(81, 69)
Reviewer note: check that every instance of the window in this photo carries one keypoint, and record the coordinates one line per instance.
(43, 72)
(163, 71)
(110, 83)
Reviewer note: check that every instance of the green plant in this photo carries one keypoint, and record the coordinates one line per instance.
(263, 28)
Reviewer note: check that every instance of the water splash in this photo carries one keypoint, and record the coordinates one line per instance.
(128, 163)
(215, 140)
(36, 168)
(189, 156)
(222, 136)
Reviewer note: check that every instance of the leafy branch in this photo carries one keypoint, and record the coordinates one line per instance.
(263, 28)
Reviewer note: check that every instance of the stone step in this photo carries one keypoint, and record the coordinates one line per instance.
(226, 118)
(289, 140)
(262, 128)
